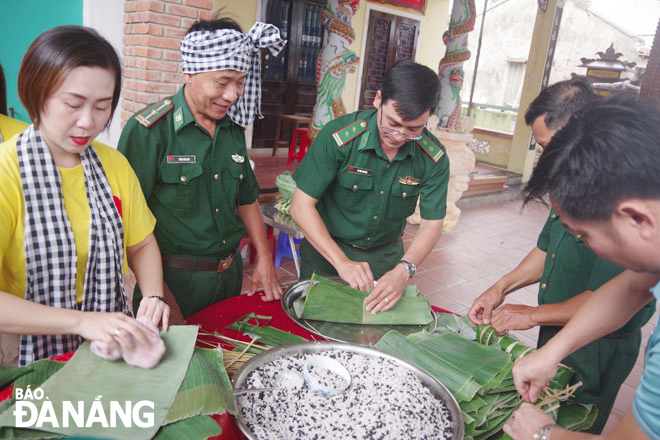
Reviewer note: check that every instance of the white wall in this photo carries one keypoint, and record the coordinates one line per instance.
(107, 18)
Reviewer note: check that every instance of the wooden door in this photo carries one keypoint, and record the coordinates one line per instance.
(289, 80)
(390, 38)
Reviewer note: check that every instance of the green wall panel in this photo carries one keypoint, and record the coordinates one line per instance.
(21, 22)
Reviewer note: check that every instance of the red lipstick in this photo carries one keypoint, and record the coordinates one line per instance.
(80, 140)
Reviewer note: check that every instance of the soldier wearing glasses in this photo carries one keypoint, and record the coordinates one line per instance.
(361, 179)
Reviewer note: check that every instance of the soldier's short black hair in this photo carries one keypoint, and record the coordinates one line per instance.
(214, 25)
(414, 87)
(606, 154)
(560, 101)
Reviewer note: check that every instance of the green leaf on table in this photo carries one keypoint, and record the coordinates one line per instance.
(199, 427)
(334, 302)
(87, 378)
(206, 388)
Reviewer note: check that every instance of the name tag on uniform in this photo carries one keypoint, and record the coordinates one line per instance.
(409, 180)
(358, 170)
(182, 159)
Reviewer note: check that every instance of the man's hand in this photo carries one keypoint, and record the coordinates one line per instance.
(264, 276)
(532, 373)
(512, 317)
(482, 307)
(388, 290)
(357, 274)
(525, 421)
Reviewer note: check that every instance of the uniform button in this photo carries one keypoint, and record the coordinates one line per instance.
(240, 177)
(578, 236)
(184, 178)
(224, 241)
(375, 217)
(217, 209)
(404, 195)
(553, 215)
(355, 187)
(382, 192)
(543, 286)
(553, 255)
(216, 176)
(368, 238)
(387, 166)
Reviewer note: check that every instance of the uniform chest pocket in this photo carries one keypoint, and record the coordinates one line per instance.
(403, 200)
(355, 186)
(178, 188)
(571, 257)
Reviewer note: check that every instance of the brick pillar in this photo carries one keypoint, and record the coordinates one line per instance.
(651, 81)
(151, 59)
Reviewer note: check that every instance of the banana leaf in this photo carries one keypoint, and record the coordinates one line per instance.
(461, 384)
(489, 367)
(199, 427)
(10, 374)
(577, 416)
(106, 382)
(333, 302)
(205, 389)
(265, 334)
(472, 405)
(459, 325)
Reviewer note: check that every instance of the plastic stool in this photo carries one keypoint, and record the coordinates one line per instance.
(293, 154)
(284, 248)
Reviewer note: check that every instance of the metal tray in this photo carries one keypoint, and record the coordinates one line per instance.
(437, 388)
(352, 333)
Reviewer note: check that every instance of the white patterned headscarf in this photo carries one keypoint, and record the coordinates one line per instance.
(228, 49)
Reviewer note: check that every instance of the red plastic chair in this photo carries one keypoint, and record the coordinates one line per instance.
(299, 153)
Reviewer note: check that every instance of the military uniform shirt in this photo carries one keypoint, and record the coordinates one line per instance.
(193, 183)
(364, 199)
(602, 366)
(571, 268)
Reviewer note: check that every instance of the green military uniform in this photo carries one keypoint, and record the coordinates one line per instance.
(570, 269)
(364, 199)
(193, 184)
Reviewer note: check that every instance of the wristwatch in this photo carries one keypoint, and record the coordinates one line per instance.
(411, 268)
(544, 432)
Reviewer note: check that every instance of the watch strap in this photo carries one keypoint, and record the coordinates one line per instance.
(543, 433)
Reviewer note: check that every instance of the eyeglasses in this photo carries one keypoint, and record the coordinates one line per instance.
(392, 132)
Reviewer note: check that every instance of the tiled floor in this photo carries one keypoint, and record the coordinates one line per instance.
(488, 242)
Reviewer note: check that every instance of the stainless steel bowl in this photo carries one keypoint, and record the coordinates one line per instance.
(436, 388)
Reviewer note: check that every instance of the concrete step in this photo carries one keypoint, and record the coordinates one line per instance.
(491, 185)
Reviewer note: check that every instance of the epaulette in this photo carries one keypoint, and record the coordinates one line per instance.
(350, 132)
(431, 148)
(154, 112)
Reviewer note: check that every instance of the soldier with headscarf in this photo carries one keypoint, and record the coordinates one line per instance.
(189, 153)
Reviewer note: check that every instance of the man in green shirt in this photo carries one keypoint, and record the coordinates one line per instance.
(361, 179)
(568, 273)
(189, 154)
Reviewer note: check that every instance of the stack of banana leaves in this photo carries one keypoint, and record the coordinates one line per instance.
(286, 186)
(478, 374)
(331, 301)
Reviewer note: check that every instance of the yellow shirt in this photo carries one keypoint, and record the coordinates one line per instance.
(10, 126)
(127, 194)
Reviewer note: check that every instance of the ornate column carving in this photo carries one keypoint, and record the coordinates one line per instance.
(335, 61)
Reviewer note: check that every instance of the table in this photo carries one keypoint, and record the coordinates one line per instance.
(284, 223)
(219, 315)
(296, 120)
